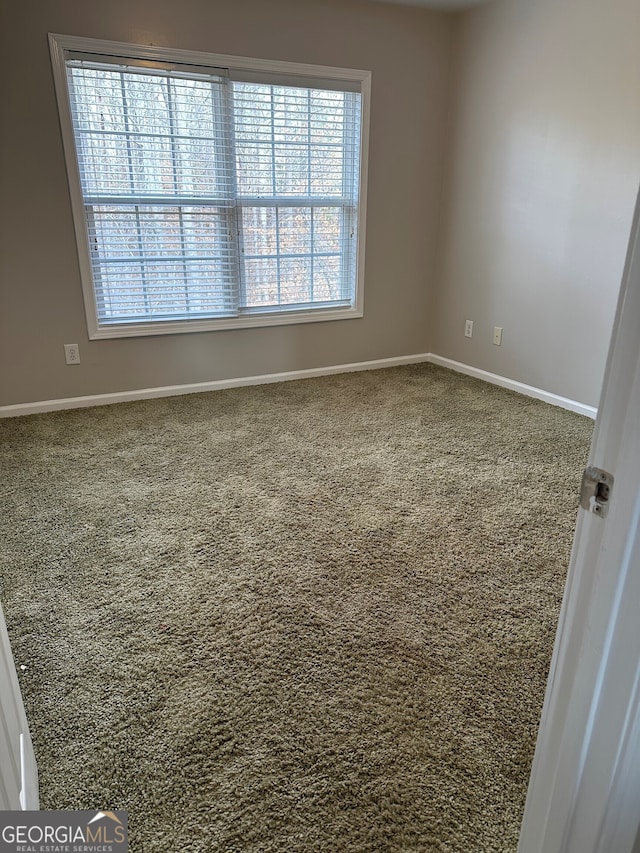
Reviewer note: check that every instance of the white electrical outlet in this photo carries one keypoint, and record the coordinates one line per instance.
(468, 328)
(497, 336)
(72, 353)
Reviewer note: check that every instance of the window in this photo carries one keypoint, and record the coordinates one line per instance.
(211, 191)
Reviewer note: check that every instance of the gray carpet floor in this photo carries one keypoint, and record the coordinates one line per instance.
(314, 616)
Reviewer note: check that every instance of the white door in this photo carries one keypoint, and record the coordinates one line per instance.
(18, 770)
(584, 791)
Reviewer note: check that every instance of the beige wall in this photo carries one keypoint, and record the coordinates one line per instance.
(544, 166)
(41, 308)
(535, 104)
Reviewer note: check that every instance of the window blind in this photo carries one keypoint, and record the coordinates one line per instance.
(206, 196)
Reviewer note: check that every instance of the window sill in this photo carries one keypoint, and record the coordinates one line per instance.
(214, 324)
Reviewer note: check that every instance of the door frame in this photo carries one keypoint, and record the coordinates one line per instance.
(18, 769)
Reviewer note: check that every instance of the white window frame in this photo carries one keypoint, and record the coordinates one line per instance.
(59, 44)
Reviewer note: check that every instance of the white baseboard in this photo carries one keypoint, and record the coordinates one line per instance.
(266, 378)
(198, 387)
(513, 385)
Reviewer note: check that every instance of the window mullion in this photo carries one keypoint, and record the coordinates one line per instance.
(273, 183)
(278, 259)
(176, 185)
(311, 223)
(273, 142)
(234, 212)
(345, 276)
(127, 125)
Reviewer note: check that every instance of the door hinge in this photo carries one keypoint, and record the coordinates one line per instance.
(595, 491)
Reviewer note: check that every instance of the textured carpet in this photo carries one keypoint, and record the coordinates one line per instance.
(315, 616)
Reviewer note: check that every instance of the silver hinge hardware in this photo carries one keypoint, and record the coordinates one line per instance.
(595, 491)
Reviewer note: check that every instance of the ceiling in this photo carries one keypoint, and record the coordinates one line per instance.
(447, 5)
